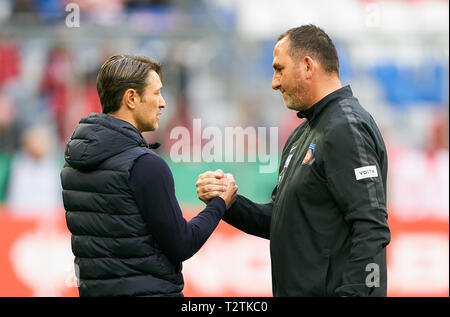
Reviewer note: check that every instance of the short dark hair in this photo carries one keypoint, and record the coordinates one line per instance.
(312, 40)
(121, 72)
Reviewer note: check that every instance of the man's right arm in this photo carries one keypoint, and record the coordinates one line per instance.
(244, 214)
(153, 187)
(250, 217)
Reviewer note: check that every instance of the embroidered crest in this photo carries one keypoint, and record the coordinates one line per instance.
(309, 154)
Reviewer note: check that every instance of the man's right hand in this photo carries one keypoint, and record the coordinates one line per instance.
(212, 184)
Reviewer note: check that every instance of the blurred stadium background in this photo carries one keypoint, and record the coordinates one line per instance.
(216, 57)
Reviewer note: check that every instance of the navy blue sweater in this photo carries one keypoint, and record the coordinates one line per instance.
(154, 189)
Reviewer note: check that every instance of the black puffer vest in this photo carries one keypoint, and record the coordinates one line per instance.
(115, 254)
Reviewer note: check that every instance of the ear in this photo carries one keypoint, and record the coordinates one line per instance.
(309, 66)
(130, 98)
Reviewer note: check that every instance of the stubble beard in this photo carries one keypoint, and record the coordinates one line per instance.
(297, 99)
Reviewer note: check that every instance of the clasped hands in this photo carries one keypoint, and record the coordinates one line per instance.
(212, 184)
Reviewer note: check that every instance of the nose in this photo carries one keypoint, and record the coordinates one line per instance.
(162, 103)
(276, 84)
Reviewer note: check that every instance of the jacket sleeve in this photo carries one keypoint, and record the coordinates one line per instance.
(250, 217)
(152, 183)
(352, 167)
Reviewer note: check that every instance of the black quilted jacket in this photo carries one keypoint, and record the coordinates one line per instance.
(115, 255)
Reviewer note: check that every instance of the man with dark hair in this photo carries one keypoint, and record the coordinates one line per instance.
(313, 41)
(120, 72)
(327, 220)
(129, 236)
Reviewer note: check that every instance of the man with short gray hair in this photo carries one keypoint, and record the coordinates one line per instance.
(327, 220)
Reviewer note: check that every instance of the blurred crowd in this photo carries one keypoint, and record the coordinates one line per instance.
(48, 82)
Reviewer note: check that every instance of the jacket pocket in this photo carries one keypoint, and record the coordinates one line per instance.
(326, 277)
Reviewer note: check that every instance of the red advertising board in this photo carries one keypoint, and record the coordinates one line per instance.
(36, 260)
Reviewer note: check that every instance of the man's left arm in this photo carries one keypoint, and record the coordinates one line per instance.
(353, 165)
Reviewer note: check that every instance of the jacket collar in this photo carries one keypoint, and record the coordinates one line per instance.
(131, 131)
(121, 126)
(311, 113)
